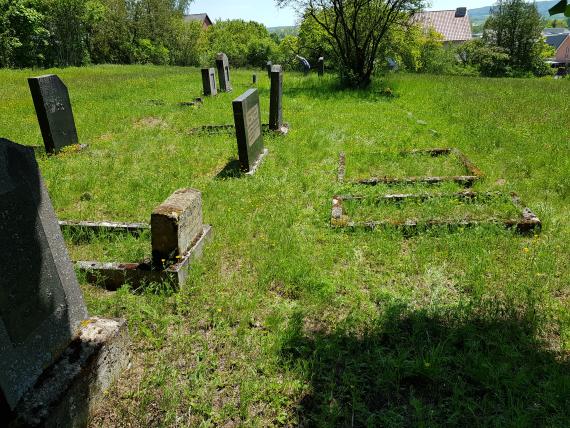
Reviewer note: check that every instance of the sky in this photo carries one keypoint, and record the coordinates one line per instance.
(266, 12)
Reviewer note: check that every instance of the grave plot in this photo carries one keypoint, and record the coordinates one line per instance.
(430, 166)
(419, 211)
(275, 125)
(177, 238)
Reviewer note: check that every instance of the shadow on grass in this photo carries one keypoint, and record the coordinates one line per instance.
(416, 369)
(330, 89)
(231, 170)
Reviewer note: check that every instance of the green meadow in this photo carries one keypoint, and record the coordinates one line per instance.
(288, 321)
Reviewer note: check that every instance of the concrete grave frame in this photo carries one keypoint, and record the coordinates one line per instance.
(230, 129)
(473, 173)
(112, 275)
(527, 222)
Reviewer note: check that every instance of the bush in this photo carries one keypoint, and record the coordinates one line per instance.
(148, 53)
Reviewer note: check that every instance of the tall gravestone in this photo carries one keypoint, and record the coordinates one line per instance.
(41, 305)
(223, 66)
(53, 108)
(321, 66)
(276, 99)
(247, 117)
(209, 81)
(268, 66)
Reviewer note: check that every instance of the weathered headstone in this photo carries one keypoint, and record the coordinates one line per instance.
(223, 66)
(175, 224)
(276, 99)
(209, 81)
(247, 117)
(55, 364)
(53, 108)
(268, 66)
(254, 79)
(321, 66)
(41, 305)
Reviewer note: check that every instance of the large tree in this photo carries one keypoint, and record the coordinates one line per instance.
(515, 27)
(355, 30)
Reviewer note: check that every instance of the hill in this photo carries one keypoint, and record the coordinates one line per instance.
(481, 13)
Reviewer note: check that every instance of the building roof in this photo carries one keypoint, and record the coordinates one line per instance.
(453, 25)
(556, 40)
(202, 17)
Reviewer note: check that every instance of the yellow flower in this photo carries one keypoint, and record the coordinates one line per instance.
(525, 250)
(219, 309)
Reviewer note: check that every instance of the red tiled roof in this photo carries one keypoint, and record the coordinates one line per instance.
(444, 22)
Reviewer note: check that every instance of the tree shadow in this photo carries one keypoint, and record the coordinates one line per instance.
(420, 369)
(231, 170)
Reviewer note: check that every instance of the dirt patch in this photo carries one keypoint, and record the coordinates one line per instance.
(150, 122)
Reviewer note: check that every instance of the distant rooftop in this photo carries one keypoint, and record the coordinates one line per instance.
(453, 25)
(201, 17)
(556, 40)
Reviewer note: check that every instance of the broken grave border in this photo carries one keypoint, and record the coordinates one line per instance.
(527, 222)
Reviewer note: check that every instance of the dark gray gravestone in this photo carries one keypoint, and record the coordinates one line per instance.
(247, 117)
(268, 67)
(53, 109)
(321, 66)
(41, 305)
(209, 81)
(223, 66)
(276, 99)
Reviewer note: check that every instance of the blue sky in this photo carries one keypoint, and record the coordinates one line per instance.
(266, 12)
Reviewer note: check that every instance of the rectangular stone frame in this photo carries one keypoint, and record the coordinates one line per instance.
(527, 221)
(113, 275)
(473, 173)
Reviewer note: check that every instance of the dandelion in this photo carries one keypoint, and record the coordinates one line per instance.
(219, 309)
(525, 250)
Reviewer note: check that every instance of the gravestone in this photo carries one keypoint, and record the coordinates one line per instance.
(247, 117)
(41, 305)
(268, 68)
(321, 66)
(223, 66)
(254, 79)
(276, 99)
(53, 109)
(209, 81)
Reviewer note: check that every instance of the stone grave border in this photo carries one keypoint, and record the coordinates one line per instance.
(527, 222)
(113, 275)
(474, 173)
(230, 128)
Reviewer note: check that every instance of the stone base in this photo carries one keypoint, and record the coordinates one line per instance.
(257, 162)
(112, 276)
(70, 390)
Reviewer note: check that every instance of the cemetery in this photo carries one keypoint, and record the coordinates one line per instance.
(170, 261)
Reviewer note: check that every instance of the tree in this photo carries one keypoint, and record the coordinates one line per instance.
(515, 27)
(355, 30)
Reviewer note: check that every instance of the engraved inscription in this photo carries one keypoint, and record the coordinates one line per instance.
(253, 124)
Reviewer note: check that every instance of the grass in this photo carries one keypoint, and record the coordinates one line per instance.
(400, 165)
(286, 321)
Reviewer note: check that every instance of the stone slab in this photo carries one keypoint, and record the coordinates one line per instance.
(41, 305)
(53, 109)
(223, 66)
(321, 66)
(175, 224)
(74, 387)
(268, 66)
(209, 82)
(276, 99)
(249, 135)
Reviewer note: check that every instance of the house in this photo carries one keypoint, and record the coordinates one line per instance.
(453, 25)
(560, 42)
(201, 17)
